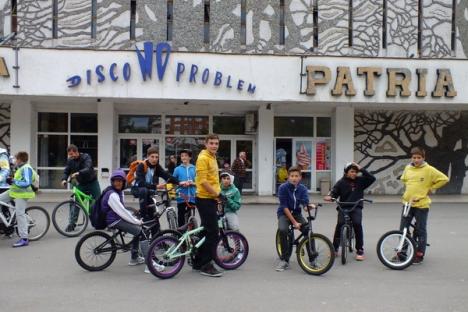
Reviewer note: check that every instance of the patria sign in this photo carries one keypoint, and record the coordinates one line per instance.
(158, 65)
(399, 81)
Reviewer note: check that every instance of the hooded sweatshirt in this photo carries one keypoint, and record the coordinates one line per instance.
(185, 173)
(419, 181)
(233, 196)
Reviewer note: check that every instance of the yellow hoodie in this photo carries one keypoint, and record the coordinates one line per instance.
(206, 171)
(419, 181)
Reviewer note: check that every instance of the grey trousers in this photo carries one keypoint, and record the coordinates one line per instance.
(21, 219)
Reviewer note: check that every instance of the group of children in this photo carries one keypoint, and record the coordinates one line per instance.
(419, 178)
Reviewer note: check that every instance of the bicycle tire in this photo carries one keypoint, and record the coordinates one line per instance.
(352, 240)
(323, 259)
(344, 241)
(33, 214)
(172, 219)
(60, 218)
(86, 244)
(392, 259)
(231, 251)
(278, 242)
(155, 255)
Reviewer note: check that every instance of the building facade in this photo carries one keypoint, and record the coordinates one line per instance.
(291, 82)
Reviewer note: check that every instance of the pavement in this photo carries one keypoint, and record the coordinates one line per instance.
(45, 276)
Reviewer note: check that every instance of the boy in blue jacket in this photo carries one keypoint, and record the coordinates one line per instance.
(292, 197)
(185, 173)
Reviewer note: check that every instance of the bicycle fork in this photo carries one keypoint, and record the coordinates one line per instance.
(402, 240)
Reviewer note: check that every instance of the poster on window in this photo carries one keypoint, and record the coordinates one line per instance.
(303, 154)
(322, 155)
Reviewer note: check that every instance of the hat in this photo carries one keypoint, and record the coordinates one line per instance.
(350, 166)
(119, 174)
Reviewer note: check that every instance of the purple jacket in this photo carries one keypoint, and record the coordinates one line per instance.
(111, 216)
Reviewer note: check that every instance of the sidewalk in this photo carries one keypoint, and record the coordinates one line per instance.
(56, 197)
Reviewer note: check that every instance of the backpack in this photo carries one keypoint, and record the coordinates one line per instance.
(132, 170)
(35, 181)
(97, 215)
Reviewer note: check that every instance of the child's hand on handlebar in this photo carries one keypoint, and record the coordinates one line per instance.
(328, 198)
(297, 226)
(309, 207)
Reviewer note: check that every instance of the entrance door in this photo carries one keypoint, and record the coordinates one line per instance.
(135, 147)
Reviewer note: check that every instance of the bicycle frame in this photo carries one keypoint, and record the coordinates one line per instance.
(83, 199)
(171, 253)
(406, 209)
(12, 214)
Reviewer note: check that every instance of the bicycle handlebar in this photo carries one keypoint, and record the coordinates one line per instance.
(354, 204)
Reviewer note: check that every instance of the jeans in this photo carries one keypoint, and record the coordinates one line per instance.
(144, 194)
(232, 221)
(20, 207)
(133, 229)
(356, 218)
(182, 210)
(91, 188)
(207, 208)
(283, 227)
(420, 233)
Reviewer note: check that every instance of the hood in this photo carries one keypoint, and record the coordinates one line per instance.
(422, 165)
(224, 173)
(119, 173)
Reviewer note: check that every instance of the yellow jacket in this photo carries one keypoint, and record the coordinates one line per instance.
(206, 171)
(419, 181)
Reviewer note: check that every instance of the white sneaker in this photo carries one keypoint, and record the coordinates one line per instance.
(137, 261)
(159, 267)
(282, 265)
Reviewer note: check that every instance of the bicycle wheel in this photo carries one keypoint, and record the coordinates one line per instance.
(352, 240)
(172, 219)
(344, 242)
(278, 242)
(231, 250)
(68, 213)
(158, 262)
(95, 251)
(38, 222)
(387, 250)
(316, 257)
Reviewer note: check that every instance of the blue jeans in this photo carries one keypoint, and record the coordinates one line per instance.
(420, 231)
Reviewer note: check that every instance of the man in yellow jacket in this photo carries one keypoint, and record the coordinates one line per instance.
(420, 179)
(208, 192)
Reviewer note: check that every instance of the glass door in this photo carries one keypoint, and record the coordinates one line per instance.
(133, 148)
(303, 158)
(283, 160)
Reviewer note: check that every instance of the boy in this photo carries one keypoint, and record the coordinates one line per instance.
(292, 197)
(351, 188)
(419, 179)
(185, 173)
(233, 200)
(21, 190)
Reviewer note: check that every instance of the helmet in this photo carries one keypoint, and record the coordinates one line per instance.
(349, 166)
(119, 174)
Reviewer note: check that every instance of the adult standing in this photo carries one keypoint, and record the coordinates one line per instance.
(239, 167)
(208, 191)
(80, 167)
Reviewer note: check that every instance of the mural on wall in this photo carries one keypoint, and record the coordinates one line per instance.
(462, 28)
(383, 140)
(5, 125)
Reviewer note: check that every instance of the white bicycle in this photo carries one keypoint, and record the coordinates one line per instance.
(38, 221)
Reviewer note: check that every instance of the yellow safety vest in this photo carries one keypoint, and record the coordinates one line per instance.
(23, 192)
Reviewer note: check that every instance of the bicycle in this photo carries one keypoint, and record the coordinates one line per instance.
(397, 249)
(97, 250)
(347, 235)
(166, 254)
(162, 201)
(74, 211)
(191, 210)
(38, 221)
(314, 251)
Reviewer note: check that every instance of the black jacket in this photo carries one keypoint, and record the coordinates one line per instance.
(348, 190)
(159, 172)
(83, 165)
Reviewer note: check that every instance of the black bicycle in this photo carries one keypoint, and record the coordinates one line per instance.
(347, 235)
(314, 251)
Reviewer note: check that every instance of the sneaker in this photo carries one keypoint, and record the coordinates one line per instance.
(209, 270)
(137, 261)
(70, 227)
(337, 253)
(282, 265)
(419, 258)
(159, 267)
(21, 243)
(360, 255)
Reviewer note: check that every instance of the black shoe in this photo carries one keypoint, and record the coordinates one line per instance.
(70, 227)
(210, 270)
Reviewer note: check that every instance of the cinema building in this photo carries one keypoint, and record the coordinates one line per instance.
(290, 82)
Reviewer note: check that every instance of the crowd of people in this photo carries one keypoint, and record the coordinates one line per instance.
(204, 186)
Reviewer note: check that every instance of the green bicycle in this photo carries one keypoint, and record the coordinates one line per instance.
(71, 217)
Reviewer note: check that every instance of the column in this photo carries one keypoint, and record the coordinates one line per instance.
(21, 128)
(106, 140)
(343, 140)
(265, 155)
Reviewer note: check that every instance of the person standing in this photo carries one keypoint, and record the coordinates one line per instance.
(208, 192)
(185, 173)
(239, 167)
(80, 167)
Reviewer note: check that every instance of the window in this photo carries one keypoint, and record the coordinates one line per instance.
(282, 34)
(294, 126)
(55, 132)
(170, 19)
(14, 16)
(420, 25)
(454, 26)
(323, 127)
(139, 124)
(132, 19)
(350, 23)
(384, 25)
(54, 19)
(315, 21)
(175, 144)
(93, 18)
(189, 125)
(206, 25)
(229, 125)
(243, 38)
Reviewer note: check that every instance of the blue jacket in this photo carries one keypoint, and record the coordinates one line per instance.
(186, 173)
(4, 169)
(292, 197)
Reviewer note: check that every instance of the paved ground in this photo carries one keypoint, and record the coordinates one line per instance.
(46, 277)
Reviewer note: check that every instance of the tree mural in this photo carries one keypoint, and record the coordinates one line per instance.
(5, 125)
(383, 140)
